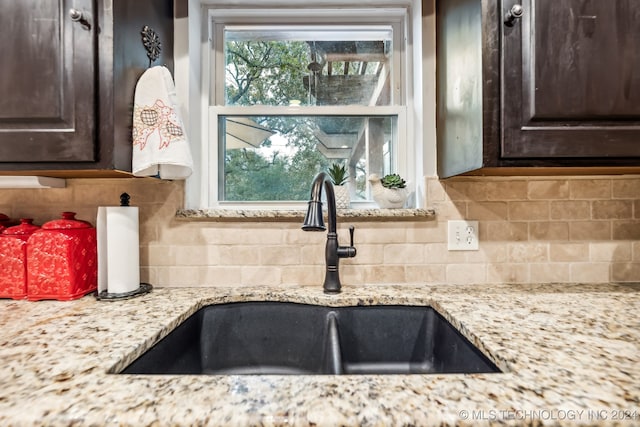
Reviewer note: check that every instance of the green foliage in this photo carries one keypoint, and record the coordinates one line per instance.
(338, 174)
(270, 73)
(393, 181)
(265, 72)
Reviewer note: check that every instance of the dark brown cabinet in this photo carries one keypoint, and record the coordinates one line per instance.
(67, 81)
(557, 87)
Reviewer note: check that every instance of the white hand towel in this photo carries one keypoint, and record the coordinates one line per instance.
(160, 146)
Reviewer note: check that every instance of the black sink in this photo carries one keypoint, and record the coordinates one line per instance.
(289, 338)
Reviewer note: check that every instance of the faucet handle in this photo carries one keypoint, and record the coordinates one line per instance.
(347, 251)
(351, 231)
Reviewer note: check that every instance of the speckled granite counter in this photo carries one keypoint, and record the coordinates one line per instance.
(570, 355)
(264, 215)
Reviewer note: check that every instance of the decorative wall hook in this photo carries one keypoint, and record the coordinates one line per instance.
(151, 43)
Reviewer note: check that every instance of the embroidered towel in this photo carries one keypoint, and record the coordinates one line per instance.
(160, 146)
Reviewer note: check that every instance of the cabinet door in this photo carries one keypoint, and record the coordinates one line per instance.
(571, 80)
(47, 87)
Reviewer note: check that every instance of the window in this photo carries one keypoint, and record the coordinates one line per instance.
(291, 91)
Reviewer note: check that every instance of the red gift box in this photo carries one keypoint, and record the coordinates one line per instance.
(63, 261)
(13, 259)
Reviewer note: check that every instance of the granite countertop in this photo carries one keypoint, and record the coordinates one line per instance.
(294, 215)
(570, 354)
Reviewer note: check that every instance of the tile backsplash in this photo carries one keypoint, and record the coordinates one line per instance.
(532, 230)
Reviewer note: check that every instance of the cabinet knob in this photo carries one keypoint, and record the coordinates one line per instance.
(513, 15)
(80, 17)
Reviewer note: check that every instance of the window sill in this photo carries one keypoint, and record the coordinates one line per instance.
(256, 215)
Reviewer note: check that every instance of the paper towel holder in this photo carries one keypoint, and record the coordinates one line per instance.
(144, 288)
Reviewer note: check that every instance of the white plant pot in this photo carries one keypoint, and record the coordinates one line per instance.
(391, 198)
(343, 197)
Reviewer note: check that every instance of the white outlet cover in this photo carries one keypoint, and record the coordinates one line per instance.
(462, 235)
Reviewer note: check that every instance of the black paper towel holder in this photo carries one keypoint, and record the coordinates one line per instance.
(143, 289)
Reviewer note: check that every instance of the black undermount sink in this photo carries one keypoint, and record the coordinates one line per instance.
(290, 338)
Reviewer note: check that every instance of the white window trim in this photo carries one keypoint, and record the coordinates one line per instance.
(199, 186)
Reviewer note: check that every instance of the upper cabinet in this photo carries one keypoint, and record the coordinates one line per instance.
(535, 83)
(68, 78)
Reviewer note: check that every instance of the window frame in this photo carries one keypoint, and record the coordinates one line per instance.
(399, 13)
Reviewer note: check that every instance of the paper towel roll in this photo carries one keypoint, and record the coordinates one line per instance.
(118, 249)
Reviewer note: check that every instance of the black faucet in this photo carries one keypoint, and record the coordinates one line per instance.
(313, 222)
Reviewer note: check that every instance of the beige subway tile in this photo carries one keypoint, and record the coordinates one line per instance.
(450, 210)
(313, 254)
(488, 211)
(568, 251)
(392, 274)
(162, 278)
(548, 189)
(528, 252)
(549, 231)
(590, 230)
(382, 232)
(182, 234)
(507, 190)
(507, 273)
(179, 276)
(437, 253)
(435, 190)
(157, 255)
(299, 237)
(149, 233)
(221, 276)
(305, 275)
(463, 190)
(61, 197)
(280, 255)
(590, 188)
(148, 275)
(351, 274)
(434, 273)
(239, 255)
(618, 251)
(626, 188)
(195, 255)
(238, 234)
(635, 249)
(504, 231)
(625, 272)
(368, 254)
(590, 272)
(550, 272)
(404, 254)
(459, 274)
(570, 210)
(489, 253)
(636, 209)
(529, 211)
(104, 194)
(260, 275)
(426, 232)
(626, 230)
(612, 209)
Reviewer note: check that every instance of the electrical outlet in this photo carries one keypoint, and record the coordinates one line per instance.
(462, 235)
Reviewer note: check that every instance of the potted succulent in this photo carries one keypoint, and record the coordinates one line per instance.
(390, 191)
(338, 175)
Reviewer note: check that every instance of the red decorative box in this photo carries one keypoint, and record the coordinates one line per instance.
(5, 222)
(63, 261)
(13, 259)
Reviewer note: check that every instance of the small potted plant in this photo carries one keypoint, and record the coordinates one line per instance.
(338, 175)
(390, 191)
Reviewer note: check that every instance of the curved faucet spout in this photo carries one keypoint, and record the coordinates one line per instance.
(313, 221)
